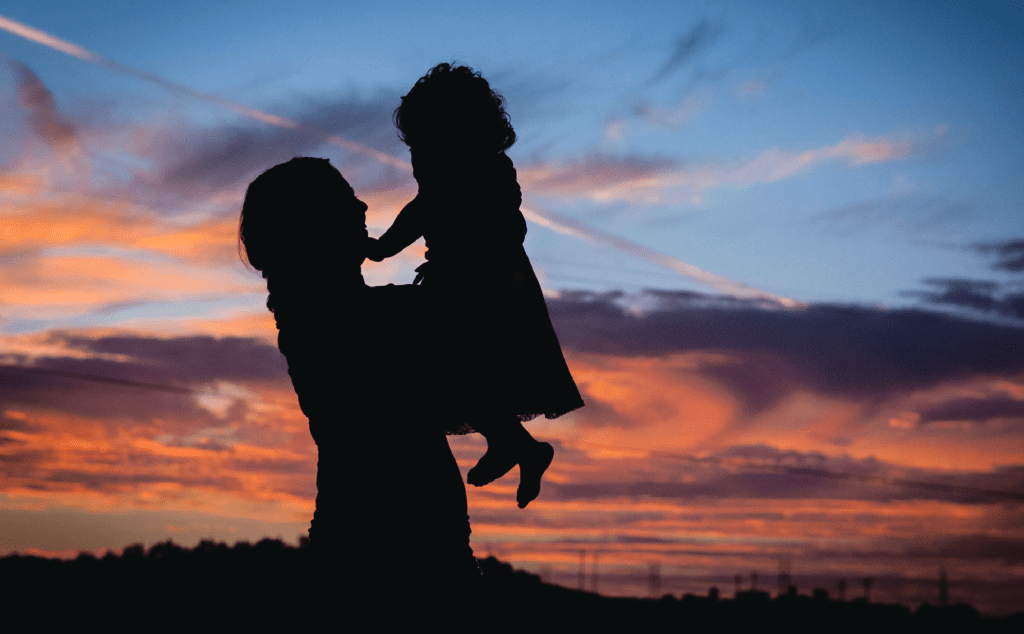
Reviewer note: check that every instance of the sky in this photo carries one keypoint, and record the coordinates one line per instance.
(781, 244)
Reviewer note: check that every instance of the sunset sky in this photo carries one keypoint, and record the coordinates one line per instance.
(782, 245)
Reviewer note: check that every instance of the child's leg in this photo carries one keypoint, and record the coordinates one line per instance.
(505, 438)
(532, 465)
(509, 444)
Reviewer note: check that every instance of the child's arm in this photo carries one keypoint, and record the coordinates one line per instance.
(405, 230)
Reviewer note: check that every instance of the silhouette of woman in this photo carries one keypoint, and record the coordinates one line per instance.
(347, 351)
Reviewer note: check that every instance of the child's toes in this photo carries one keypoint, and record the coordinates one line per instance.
(531, 470)
(491, 466)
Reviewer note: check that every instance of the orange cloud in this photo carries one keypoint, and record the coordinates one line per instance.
(37, 219)
(614, 489)
(57, 269)
(644, 402)
(213, 241)
(100, 463)
(79, 282)
(259, 324)
(71, 221)
(20, 185)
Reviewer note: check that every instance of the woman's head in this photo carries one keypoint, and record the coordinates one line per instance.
(454, 106)
(299, 211)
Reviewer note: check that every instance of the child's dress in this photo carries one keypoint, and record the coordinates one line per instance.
(489, 331)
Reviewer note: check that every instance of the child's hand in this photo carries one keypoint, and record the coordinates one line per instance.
(373, 251)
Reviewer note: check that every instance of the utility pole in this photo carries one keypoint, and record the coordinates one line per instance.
(583, 570)
(654, 579)
(785, 578)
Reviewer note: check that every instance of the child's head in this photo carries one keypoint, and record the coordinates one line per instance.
(454, 106)
(299, 211)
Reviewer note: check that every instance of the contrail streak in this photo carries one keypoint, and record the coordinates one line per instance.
(566, 226)
(570, 226)
(41, 37)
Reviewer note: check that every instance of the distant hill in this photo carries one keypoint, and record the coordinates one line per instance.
(272, 584)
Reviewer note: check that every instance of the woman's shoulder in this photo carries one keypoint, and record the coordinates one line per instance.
(393, 290)
(392, 297)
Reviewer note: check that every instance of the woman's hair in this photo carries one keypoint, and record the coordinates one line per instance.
(454, 106)
(291, 211)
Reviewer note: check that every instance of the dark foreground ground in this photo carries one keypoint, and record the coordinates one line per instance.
(270, 585)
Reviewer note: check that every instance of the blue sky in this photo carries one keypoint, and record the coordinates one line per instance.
(685, 85)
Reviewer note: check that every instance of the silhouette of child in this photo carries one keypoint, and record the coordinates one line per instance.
(489, 323)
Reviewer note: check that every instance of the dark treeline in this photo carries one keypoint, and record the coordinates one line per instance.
(270, 584)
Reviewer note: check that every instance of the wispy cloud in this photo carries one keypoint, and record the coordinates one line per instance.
(978, 409)
(693, 43)
(763, 472)
(603, 177)
(959, 292)
(208, 168)
(758, 384)
(45, 121)
(51, 41)
(1009, 254)
(722, 284)
(983, 296)
(912, 213)
(141, 419)
(843, 350)
(678, 115)
(979, 295)
(664, 385)
(230, 157)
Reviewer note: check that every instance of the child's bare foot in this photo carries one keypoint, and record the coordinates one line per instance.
(496, 462)
(532, 464)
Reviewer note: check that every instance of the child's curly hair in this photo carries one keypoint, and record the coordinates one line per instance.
(454, 106)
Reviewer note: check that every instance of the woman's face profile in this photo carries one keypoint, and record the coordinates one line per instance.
(353, 207)
(332, 206)
(359, 205)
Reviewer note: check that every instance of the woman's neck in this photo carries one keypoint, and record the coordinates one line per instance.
(326, 276)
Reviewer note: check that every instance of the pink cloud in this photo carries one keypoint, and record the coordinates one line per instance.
(606, 178)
